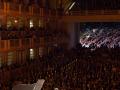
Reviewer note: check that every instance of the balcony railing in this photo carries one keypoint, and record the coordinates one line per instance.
(4, 35)
(18, 9)
(36, 10)
(25, 9)
(94, 12)
(11, 8)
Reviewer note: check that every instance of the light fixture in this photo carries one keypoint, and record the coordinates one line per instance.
(31, 23)
(71, 5)
(15, 21)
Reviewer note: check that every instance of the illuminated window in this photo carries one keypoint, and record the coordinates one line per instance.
(9, 23)
(31, 53)
(40, 23)
(31, 23)
(10, 58)
(21, 22)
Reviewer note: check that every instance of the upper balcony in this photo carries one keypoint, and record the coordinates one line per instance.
(12, 9)
(92, 16)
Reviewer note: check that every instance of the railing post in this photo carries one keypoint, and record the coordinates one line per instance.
(5, 13)
(30, 10)
(20, 9)
(40, 11)
(5, 7)
(8, 7)
(7, 44)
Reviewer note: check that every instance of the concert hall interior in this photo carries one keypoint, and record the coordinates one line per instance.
(66, 44)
